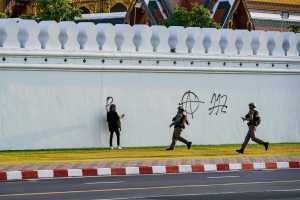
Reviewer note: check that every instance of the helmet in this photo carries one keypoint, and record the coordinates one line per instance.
(252, 105)
(180, 108)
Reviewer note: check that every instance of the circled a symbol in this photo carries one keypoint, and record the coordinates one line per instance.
(190, 102)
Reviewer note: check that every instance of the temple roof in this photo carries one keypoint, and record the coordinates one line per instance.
(277, 6)
(287, 2)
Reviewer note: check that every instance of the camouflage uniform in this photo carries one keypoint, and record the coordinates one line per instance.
(179, 122)
(253, 119)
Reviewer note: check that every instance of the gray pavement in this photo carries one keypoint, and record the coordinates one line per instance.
(241, 185)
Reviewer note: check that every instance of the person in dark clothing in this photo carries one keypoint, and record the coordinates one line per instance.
(254, 120)
(179, 122)
(114, 125)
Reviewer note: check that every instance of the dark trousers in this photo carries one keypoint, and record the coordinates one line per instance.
(251, 135)
(176, 136)
(112, 135)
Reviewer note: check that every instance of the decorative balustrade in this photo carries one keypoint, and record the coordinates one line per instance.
(49, 35)
(124, 45)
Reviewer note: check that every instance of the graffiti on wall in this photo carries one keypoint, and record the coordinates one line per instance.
(190, 101)
(218, 104)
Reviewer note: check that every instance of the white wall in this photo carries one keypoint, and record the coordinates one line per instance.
(55, 77)
(44, 109)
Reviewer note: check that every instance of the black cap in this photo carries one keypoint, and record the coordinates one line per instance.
(180, 108)
(252, 105)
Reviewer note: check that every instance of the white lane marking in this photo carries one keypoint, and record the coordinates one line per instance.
(200, 194)
(144, 188)
(287, 190)
(169, 195)
(216, 177)
(105, 182)
(178, 195)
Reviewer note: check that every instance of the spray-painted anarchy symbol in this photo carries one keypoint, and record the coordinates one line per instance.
(190, 102)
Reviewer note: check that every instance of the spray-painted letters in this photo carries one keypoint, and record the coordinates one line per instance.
(191, 103)
(218, 104)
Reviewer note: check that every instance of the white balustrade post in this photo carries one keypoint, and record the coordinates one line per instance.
(48, 35)
(105, 37)
(159, 39)
(142, 38)
(124, 38)
(67, 36)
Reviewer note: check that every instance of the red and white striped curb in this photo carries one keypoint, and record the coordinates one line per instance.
(85, 172)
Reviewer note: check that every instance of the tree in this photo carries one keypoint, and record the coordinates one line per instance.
(199, 16)
(3, 15)
(26, 16)
(294, 28)
(58, 10)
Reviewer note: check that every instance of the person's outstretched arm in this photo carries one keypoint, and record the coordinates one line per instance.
(246, 118)
(122, 116)
(187, 122)
(172, 124)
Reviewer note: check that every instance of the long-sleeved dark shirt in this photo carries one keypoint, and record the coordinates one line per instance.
(253, 118)
(179, 121)
(113, 120)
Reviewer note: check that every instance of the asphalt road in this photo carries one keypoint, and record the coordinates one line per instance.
(270, 185)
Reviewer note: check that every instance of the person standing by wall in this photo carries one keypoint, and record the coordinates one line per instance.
(114, 125)
(254, 120)
(179, 122)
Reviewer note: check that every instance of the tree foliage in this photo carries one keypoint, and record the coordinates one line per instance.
(3, 15)
(58, 10)
(294, 28)
(199, 16)
(26, 16)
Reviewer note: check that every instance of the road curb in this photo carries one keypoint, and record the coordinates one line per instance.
(141, 170)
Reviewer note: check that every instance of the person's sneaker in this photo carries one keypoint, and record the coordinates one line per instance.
(266, 144)
(111, 148)
(119, 147)
(189, 145)
(240, 151)
(170, 149)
